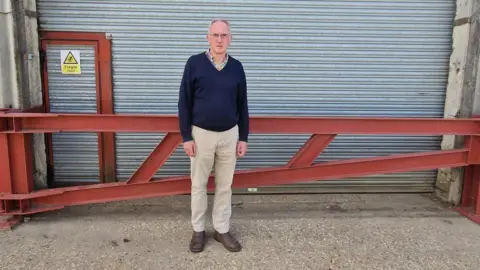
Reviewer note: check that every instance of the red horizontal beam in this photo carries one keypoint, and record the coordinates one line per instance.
(63, 35)
(281, 175)
(47, 123)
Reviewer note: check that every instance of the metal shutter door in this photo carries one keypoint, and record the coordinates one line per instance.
(323, 58)
(75, 155)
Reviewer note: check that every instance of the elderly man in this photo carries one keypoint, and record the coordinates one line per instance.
(214, 124)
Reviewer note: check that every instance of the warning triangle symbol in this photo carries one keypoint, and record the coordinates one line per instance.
(70, 59)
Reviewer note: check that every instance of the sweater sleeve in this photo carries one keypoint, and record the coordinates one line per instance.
(243, 123)
(185, 103)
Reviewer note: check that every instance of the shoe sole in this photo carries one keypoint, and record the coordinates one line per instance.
(229, 249)
(196, 251)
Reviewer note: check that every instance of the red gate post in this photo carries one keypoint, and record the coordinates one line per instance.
(470, 204)
(16, 173)
(16, 168)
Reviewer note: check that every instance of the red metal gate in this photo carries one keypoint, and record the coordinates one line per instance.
(19, 199)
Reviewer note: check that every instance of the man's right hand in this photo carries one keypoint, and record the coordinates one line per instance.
(189, 148)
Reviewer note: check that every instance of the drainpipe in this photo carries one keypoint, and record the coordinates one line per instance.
(9, 92)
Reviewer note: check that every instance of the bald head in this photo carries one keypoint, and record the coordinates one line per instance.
(215, 22)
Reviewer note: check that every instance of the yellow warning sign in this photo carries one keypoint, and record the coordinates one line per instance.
(70, 59)
(70, 62)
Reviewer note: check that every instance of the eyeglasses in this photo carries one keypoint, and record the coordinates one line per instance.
(217, 35)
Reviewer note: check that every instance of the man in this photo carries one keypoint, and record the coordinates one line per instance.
(214, 124)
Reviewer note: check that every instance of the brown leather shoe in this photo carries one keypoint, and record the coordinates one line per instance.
(197, 243)
(228, 241)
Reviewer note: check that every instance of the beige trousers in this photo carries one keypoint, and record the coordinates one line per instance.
(213, 150)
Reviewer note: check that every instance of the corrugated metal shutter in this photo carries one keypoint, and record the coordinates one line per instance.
(75, 155)
(320, 58)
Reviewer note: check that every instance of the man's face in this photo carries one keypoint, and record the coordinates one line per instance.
(219, 37)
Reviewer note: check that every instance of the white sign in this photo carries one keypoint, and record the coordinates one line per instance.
(70, 61)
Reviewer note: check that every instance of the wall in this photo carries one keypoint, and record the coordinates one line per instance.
(20, 79)
(463, 91)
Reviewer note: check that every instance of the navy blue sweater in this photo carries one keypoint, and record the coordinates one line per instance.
(213, 99)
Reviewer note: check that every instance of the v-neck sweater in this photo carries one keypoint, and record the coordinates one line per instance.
(213, 99)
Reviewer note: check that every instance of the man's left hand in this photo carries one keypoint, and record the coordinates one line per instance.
(241, 149)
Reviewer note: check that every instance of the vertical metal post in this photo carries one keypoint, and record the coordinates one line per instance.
(6, 175)
(21, 163)
(470, 203)
(16, 166)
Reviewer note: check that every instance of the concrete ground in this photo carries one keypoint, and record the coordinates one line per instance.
(277, 232)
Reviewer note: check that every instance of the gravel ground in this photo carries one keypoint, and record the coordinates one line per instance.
(402, 231)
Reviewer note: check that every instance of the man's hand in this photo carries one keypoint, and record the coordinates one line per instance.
(241, 149)
(189, 148)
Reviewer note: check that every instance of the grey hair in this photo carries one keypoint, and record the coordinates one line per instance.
(219, 20)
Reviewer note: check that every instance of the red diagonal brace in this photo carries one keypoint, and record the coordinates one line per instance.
(101, 193)
(156, 159)
(310, 150)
